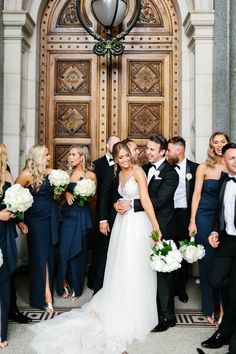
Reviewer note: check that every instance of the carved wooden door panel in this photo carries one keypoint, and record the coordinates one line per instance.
(83, 100)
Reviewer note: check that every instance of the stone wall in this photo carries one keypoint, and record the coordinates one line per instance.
(1, 71)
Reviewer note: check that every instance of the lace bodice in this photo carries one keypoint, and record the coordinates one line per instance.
(129, 190)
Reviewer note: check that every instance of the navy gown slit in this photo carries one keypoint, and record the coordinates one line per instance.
(9, 251)
(72, 250)
(43, 220)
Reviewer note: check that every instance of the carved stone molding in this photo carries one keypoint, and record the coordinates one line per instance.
(150, 14)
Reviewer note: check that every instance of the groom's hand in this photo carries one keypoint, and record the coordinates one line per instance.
(104, 227)
(123, 206)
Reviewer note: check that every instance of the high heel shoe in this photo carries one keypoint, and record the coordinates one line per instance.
(67, 292)
(218, 322)
(4, 344)
(73, 297)
(211, 319)
(49, 307)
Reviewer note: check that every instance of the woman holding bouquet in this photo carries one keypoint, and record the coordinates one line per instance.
(7, 247)
(72, 250)
(42, 220)
(125, 308)
(203, 211)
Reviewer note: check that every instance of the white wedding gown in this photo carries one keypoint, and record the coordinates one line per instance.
(124, 309)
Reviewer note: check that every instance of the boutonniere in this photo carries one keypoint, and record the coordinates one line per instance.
(189, 176)
(156, 174)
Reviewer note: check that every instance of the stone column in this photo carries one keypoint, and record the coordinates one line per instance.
(1, 71)
(18, 28)
(232, 72)
(198, 27)
(221, 78)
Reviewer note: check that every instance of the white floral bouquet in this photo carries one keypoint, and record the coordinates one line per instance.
(17, 200)
(164, 257)
(1, 258)
(84, 189)
(59, 181)
(191, 252)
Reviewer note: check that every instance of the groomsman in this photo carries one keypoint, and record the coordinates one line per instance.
(186, 170)
(162, 183)
(104, 169)
(223, 239)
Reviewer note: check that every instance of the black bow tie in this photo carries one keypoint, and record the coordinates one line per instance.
(228, 178)
(153, 165)
(177, 166)
(111, 159)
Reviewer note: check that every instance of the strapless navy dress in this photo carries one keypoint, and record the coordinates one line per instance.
(204, 220)
(43, 220)
(72, 249)
(8, 246)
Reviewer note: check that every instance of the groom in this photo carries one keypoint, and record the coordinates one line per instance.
(162, 182)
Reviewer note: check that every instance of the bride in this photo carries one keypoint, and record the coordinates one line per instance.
(125, 308)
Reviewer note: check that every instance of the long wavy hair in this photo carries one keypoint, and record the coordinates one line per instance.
(36, 164)
(115, 152)
(212, 157)
(3, 166)
(86, 159)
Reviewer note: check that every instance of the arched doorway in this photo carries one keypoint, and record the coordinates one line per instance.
(83, 100)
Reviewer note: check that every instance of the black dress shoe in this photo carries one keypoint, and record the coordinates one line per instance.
(164, 325)
(17, 316)
(183, 297)
(214, 342)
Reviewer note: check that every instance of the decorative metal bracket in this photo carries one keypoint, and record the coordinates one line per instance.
(108, 46)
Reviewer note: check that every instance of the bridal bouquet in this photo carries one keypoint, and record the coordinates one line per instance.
(191, 252)
(1, 258)
(165, 257)
(59, 181)
(84, 189)
(17, 200)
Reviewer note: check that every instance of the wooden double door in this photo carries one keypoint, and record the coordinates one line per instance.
(84, 100)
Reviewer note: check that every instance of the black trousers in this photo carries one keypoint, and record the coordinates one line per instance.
(223, 273)
(182, 223)
(165, 296)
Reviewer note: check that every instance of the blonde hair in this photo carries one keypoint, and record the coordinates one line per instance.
(3, 166)
(86, 159)
(36, 164)
(211, 155)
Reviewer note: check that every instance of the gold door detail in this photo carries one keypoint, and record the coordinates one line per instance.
(83, 100)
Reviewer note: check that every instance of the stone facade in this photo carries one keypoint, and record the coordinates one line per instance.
(21, 21)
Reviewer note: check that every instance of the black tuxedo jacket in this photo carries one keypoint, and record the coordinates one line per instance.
(219, 224)
(105, 176)
(161, 191)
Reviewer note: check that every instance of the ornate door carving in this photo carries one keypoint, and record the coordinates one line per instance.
(82, 100)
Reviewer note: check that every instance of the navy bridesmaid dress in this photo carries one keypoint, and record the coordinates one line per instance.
(43, 220)
(8, 246)
(72, 250)
(204, 220)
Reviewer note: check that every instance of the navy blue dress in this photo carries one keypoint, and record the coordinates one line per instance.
(8, 246)
(43, 220)
(72, 250)
(204, 220)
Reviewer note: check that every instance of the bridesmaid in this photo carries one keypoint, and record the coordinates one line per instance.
(7, 246)
(72, 253)
(204, 204)
(42, 220)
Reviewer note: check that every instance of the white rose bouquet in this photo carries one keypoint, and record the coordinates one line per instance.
(164, 257)
(191, 252)
(17, 200)
(84, 189)
(1, 258)
(59, 181)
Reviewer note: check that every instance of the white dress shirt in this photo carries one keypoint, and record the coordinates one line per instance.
(152, 169)
(229, 207)
(180, 198)
(110, 160)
